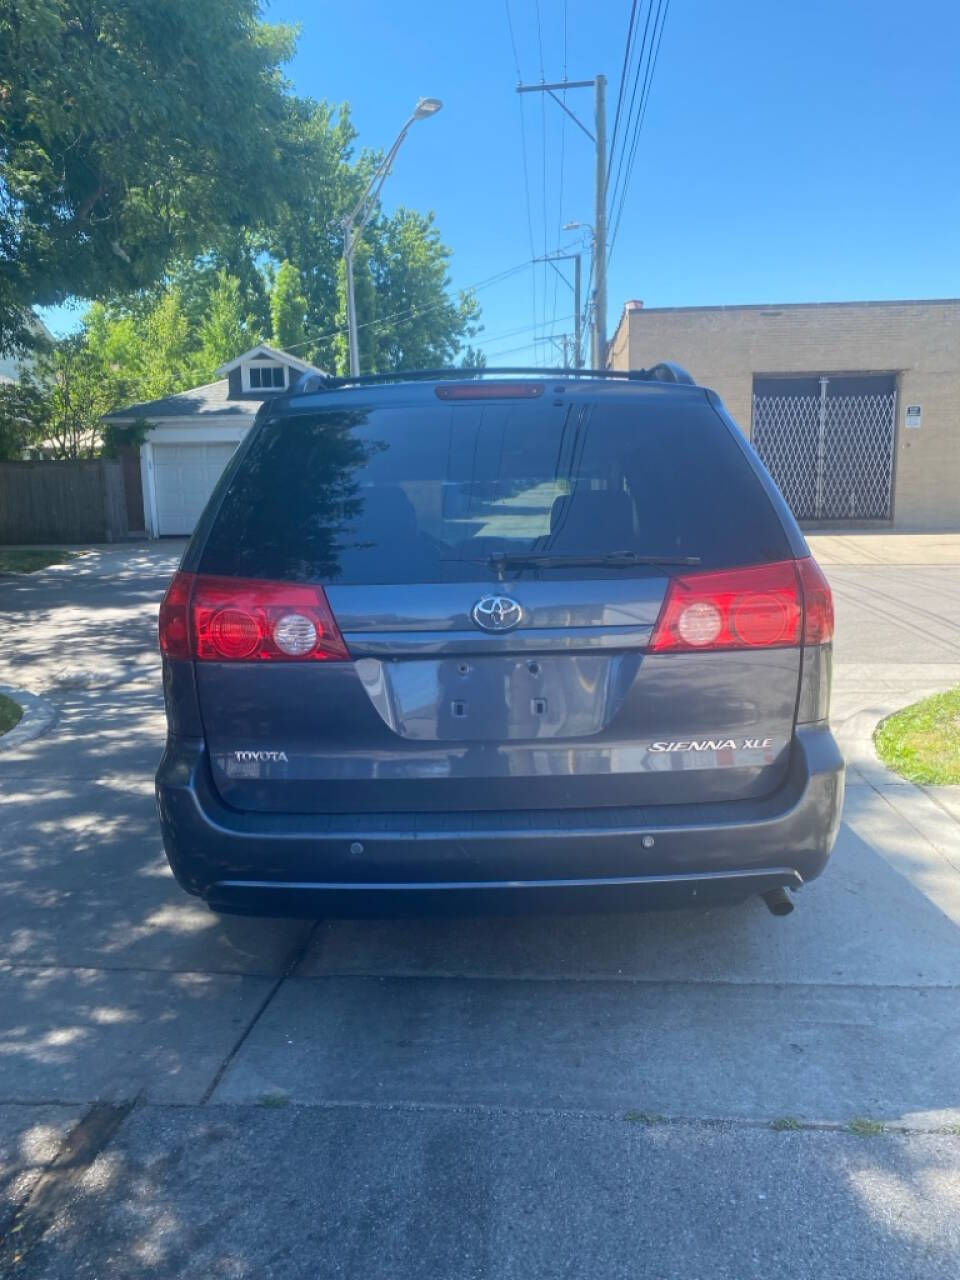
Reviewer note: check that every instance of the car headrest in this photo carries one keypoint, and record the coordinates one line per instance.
(388, 513)
(592, 520)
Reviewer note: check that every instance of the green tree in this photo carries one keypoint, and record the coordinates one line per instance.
(149, 352)
(75, 390)
(472, 358)
(237, 255)
(226, 330)
(419, 324)
(131, 133)
(406, 316)
(23, 416)
(288, 310)
(309, 234)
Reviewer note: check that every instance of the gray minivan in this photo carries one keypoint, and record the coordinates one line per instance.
(496, 639)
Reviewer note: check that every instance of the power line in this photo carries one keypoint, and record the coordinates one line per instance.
(641, 114)
(628, 46)
(526, 196)
(523, 154)
(527, 345)
(536, 5)
(412, 312)
(513, 40)
(543, 152)
(631, 117)
(543, 175)
(524, 328)
(563, 126)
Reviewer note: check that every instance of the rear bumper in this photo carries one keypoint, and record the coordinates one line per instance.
(307, 865)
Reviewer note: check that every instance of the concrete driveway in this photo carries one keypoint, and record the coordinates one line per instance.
(691, 1095)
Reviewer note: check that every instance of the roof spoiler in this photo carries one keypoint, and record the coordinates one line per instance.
(665, 371)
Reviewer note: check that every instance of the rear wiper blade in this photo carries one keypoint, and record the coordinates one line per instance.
(612, 560)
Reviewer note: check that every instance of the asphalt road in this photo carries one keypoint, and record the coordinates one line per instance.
(699, 1095)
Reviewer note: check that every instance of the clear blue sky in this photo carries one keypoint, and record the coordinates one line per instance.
(791, 152)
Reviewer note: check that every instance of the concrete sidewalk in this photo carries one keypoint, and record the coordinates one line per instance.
(924, 549)
(673, 1095)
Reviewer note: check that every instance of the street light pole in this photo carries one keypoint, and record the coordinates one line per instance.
(358, 218)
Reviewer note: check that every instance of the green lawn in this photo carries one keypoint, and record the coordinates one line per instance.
(29, 559)
(922, 742)
(10, 713)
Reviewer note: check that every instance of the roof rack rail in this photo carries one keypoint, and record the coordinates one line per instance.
(665, 371)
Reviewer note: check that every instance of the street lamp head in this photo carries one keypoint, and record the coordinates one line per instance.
(426, 107)
(577, 226)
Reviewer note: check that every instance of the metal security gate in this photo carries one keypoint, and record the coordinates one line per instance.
(828, 443)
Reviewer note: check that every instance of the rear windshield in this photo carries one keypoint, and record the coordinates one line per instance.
(430, 493)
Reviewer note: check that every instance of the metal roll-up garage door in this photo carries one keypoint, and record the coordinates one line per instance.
(184, 476)
(828, 441)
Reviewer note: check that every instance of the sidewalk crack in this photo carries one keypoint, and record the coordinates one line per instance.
(298, 951)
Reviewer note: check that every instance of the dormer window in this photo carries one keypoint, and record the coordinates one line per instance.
(262, 372)
(264, 375)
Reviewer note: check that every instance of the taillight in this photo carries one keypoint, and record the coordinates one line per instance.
(755, 608)
(767, 606)
(174, 618)
(248, 620)
(817, 603)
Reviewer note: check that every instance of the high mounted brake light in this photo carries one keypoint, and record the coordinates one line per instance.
(768, 606)
(213, 619)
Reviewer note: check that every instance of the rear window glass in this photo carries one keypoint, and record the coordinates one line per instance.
(430, 493)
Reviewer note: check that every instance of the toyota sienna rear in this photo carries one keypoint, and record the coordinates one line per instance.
(553, 640)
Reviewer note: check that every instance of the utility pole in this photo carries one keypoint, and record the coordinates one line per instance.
(561, 342)
(599, 140)
(576, 258)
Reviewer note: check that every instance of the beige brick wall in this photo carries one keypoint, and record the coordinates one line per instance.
(723, 347)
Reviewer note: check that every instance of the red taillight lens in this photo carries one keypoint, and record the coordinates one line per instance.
(755, 608)
(767, 606)
(174, 617)
(248, 620)
(817, 603)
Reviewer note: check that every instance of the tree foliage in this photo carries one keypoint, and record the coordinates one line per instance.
(226, 329)
(419, 325)
(57, 405)
(133, 133)
(288, 310)
(153, 159)
(23, 413)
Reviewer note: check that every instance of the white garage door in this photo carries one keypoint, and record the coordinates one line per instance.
(184, 475)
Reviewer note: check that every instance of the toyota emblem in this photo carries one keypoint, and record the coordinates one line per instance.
(497, 613)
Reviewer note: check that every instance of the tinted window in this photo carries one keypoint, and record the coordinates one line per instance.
(427, 494)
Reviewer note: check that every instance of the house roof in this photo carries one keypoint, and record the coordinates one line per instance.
(269, 353)
(213, 399)
(198, 402)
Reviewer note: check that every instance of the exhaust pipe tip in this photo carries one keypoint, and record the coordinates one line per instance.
(779, 902)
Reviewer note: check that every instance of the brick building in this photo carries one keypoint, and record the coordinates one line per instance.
(854, 406)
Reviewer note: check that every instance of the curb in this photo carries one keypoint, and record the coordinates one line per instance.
(38, 716)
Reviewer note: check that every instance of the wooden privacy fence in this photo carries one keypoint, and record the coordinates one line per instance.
(62, 501)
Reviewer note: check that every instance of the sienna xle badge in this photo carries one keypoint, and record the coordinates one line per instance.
(496, 641)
